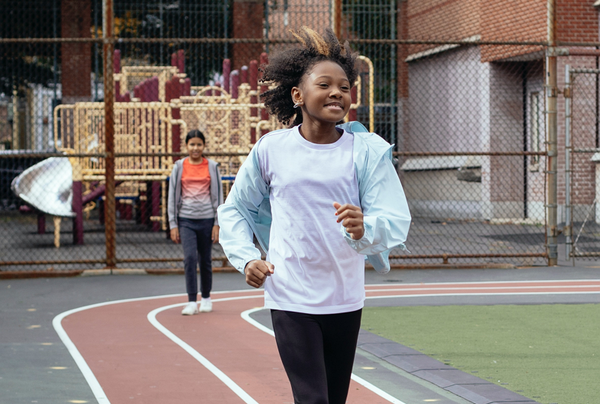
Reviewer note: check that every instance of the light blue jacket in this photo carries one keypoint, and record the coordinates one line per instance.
(247, 210)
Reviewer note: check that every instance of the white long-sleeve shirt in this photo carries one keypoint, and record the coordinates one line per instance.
(316, 271)
(247, 211)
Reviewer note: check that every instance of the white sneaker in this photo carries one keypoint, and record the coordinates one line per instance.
(190, 309)
(205, 306)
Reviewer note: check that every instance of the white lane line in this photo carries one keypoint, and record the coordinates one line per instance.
(246, 316)
(484, 294)
(81, 363)
(77, 357)
(433, 284)
(196, 355)
(87, 373)
(376, 390)
(490, 288)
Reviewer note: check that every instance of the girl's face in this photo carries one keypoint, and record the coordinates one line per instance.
(195, 147)
(324, 93)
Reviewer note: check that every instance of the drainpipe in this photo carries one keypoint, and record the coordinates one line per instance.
(568, 148)
(551, 138)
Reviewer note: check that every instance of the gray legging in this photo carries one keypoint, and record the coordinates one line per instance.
(196, 240)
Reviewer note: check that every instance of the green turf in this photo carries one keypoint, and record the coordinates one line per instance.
(549, 353)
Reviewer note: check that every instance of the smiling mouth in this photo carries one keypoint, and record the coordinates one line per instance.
(338, 106)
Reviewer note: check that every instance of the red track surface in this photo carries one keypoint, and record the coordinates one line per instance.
(134, 361)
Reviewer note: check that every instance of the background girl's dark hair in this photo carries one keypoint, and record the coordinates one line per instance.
(194, 133)
(286, 69)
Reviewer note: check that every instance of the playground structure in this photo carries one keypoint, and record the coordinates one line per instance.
(154, 109)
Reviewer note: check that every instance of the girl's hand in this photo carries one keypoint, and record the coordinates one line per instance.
(257, 271)
(351, 218)
(175, 235)
(215, 234)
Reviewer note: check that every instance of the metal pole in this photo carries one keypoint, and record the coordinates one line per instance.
(568, 169)
(55, 65)
(551, 137)
(525, 144)
(394, 93)
(160, 16)
(226, 27)
(267, 26)
(371, 92)
(110, 227)
(55, 68)
(15, 129)
(96, 67)
(336, 17)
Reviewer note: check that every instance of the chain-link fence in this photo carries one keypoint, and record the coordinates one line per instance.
(94, 113)
(582, 159)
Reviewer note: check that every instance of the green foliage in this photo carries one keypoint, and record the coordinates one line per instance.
(22, 64)
(19, 70)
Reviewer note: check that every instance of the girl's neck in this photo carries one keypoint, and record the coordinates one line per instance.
(195, 161)
(319, 133)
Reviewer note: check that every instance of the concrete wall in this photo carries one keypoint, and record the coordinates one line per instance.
(504, 180)
(458, 104)
(448, 110)
(439, 194)
(536, 136)
(448, 102)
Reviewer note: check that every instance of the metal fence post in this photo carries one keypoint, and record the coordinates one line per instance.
(109, 127)
(336, 17)
(568, 229)
(551, 137)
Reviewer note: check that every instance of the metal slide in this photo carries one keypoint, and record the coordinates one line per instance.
(47, 186)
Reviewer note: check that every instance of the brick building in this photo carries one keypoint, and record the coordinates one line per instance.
(489, 98)
(247, 19)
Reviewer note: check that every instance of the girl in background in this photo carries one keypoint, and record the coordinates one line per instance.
(318, 198)
(195, 192)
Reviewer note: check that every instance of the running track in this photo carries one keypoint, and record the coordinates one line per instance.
(144, 350)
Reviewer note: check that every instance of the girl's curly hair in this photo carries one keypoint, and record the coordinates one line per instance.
(287, 68)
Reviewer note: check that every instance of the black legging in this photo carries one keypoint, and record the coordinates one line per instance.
(317, 352)
(196, 240)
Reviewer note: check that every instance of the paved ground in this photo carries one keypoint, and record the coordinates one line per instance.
(38, 368)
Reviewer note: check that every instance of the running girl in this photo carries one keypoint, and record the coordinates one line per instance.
(317, 198)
